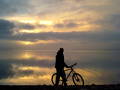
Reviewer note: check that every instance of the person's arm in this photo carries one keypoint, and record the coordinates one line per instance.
(66, 65)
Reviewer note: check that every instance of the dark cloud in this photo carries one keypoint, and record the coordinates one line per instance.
(25, 26)
(41, 26)
(108, 39)
(99, 36)
(59, 25)
(70, 25)
(114, 20)
(23, 7)
(34, 62)
(67, 25)
(5, 26)
(23, 72)
(29, 62)
(5, 8)
(14, 7)
(5, 70)
(111, 22)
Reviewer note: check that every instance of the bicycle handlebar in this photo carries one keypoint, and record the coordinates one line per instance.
(73, 65)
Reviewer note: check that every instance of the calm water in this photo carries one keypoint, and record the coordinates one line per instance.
(36, 67)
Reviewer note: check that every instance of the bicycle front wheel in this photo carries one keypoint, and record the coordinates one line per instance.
(78, 79)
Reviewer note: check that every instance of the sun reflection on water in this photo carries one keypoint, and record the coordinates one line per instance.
(31, 55)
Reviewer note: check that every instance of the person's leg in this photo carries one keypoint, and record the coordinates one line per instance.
(63, 75)
(57, 78)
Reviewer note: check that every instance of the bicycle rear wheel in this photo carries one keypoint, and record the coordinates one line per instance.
(78, 79)
(53, 79)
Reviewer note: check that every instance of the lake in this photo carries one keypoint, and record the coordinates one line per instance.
(35, 67)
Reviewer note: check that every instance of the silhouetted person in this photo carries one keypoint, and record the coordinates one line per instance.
(59, 65)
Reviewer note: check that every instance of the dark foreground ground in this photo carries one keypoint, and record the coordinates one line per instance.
(44, 87)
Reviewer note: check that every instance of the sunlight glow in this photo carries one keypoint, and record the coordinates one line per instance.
(46, 22)
(29, 55)
(41, 74)
(29, 80)
(49, 25)
(38, 42)
(30, 31)
(28, 21)
(26, 42)
(31, 20)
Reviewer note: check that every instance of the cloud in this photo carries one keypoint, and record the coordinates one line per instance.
(5, 70)
(68, 25)
(14, 7)
(99, 36)
(5, 26)
(16, 69)
(104, 39)
(114, 21)
(5, 8)
(26, 7)
(25, 26)
(109, 22)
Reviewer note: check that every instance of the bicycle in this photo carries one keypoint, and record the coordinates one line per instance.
(77, 79)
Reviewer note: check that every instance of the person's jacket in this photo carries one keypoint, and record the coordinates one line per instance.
(60, 64)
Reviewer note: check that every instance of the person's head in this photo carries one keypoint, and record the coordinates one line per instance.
(61, 50)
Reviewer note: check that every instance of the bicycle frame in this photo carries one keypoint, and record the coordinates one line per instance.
(71, 71)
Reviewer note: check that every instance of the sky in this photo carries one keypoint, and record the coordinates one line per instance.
(46, 25)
